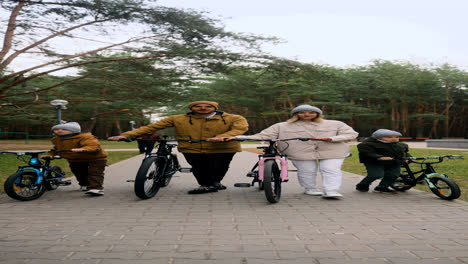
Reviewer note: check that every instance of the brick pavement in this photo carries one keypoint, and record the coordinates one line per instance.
(236, 225)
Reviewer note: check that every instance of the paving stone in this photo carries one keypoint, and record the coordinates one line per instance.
(234, 226)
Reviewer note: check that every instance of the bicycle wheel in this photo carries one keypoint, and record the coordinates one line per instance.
(21, 186)
(445, 187)
(272, 181)
(148, 178)
(400, 184)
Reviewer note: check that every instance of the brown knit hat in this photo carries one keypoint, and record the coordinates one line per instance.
(215, 104)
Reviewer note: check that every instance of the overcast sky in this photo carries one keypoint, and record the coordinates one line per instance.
(350, 32)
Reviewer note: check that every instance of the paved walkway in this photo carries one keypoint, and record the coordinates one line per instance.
(236, 225)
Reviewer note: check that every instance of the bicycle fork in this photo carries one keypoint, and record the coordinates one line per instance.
(284, 168)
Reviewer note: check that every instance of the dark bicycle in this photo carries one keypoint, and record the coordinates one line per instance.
(157, 169)
(270, 170)
(31, 181)
(438, 183)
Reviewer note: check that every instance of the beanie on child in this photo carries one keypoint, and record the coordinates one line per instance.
(380, 133)
(70, 126)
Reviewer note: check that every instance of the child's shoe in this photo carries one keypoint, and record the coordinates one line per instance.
(95, 192)
(314, 192)
(383, 190)
(203, 189)
(362, 187)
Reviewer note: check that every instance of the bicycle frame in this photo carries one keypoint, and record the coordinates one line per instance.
(41, 169)
(436, 182)
(31, 181)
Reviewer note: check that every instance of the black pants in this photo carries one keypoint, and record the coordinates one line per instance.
(145, 147)
(388, 174)
(209, 168)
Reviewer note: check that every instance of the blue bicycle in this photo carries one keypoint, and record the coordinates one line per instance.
(31, 181)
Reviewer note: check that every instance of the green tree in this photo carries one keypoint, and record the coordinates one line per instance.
(183, 37)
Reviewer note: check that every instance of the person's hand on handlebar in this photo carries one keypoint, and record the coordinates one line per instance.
(215, 139)
(327, 139)
(115, 138)
(78, 150)
(385, 158)
(228, 138)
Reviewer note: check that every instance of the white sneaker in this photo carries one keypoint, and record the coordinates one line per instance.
(83, 188)
(315, 192)
(95, 192)
(332, 194)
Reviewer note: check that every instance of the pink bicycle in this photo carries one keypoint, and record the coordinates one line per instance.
(271, 169)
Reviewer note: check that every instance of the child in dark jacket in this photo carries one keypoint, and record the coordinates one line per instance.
(86, 157)
(382, 155)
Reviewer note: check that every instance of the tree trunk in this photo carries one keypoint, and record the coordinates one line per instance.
(447, 109)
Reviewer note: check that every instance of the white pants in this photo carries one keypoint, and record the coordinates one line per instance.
(330, 169)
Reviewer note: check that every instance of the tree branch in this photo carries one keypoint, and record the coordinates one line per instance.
(10, 30)
(10, 58)
(53, 86)
(7, 77)
(3, 90)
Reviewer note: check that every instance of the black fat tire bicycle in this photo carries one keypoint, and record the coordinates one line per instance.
(30, 182)
(438, 183)
(157, 169)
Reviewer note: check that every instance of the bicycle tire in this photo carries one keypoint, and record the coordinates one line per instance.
(400, 184)
(272, 181)
(20, 186)
(148, 178)
(444, 183)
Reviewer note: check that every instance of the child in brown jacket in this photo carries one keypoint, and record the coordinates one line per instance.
(86, 157)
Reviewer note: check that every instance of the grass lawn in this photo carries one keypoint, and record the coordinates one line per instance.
(9, 163)
(456, 169)
(45, 144)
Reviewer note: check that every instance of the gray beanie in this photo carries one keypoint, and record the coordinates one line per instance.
(306, 108)
(380, 133)
(71, 126)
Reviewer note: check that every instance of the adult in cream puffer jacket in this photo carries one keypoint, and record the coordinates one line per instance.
(326, 153)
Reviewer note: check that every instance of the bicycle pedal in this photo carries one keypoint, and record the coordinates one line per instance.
(242, 184)
(64, 183)
(185, 170)
(130, 180)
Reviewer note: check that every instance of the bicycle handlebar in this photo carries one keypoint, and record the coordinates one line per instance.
(165, 140)
(440, 158)
(21, 153)
(277, 139)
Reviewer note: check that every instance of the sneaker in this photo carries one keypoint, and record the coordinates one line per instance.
(383, 190)
(362, 187)
(219, 186)
(332, 194)
(83, 188)
(95, 192)
(315, 192)
(203, 189)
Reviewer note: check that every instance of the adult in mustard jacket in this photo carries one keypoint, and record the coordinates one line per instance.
(209, 160)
